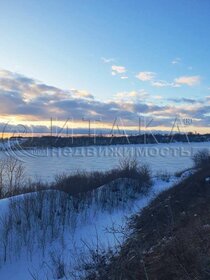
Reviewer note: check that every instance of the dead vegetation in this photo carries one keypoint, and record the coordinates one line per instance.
(170, 238)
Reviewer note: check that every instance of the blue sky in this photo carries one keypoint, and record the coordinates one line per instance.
(110, 48)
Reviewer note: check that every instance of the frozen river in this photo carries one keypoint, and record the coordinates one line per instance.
(45, 164)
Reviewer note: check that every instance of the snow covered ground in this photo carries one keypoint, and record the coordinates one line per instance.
(92, 229)
(92, 225)
(170, 157)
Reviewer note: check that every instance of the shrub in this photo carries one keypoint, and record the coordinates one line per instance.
(12, 176)
(201, 158)
(128, 165)
(163, 175)
(58, 266)
(129, 168)
(82, 182)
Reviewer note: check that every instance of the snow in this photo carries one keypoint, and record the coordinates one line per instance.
(207, 179)
(168, 157)
(91, 228)
(93, 223)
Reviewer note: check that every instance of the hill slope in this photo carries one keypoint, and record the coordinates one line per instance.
(170, 238)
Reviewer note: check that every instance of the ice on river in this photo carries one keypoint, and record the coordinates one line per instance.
(45, 164)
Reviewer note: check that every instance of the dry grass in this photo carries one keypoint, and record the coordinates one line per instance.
(170, 239)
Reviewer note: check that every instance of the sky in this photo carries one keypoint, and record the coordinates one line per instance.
(99, 59)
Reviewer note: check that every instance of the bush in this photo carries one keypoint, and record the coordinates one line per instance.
(169, 239)
(163, 175)
(201, 158)
(82, 182)
(129, 168)
(12, 176)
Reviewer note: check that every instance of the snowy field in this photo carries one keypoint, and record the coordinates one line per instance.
(89, 227)
(92, 229)
(45, 164)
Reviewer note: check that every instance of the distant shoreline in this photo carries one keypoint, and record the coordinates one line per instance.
(85, 141)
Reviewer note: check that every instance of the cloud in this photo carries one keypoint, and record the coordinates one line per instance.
(146, 76)
(118, 70)
(176, 60)
(25, 98)
(161, 84)
(107, 60)
(132, 95)
(159, 97)
(188, 80)
(185, 100)
(81, 94)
